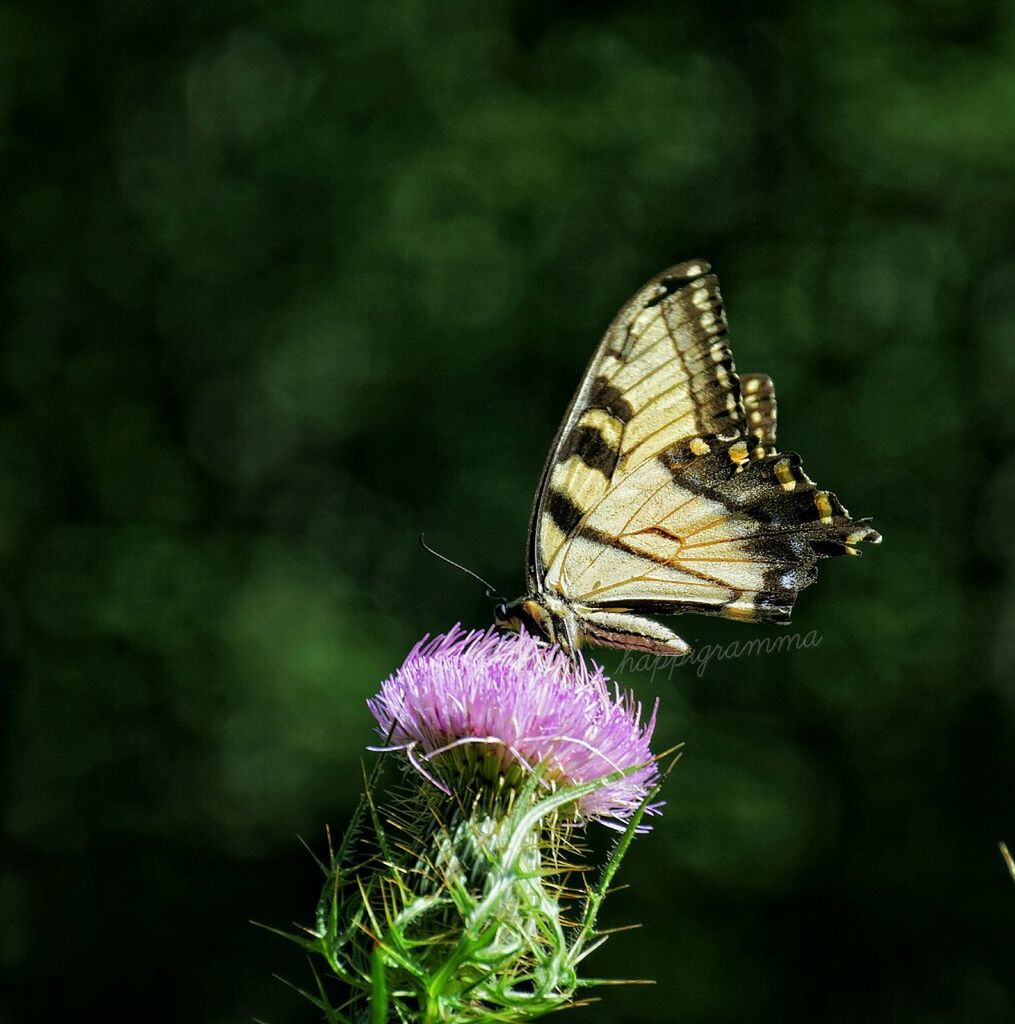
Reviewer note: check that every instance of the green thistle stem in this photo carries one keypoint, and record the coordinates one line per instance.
(378, 988)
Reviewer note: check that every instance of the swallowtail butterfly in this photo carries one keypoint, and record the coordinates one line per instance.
(663, 492)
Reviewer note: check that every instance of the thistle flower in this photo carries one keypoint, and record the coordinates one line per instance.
(462, 906)
(496, 706)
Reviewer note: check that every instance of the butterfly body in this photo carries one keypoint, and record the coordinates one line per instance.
(573, 625)
(664, 493)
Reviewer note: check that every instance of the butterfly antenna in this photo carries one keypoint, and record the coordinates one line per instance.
(491, 591)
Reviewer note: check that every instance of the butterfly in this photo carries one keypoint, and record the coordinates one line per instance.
(663, 492)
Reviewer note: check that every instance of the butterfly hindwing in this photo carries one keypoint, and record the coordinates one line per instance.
(663, 492)
(758, 393)
(714, 526)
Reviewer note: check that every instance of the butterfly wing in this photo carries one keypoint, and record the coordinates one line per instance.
(758, 394)
(662, 372)
(662, 493)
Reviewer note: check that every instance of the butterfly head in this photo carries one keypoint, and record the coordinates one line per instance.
(524, 613)
(540, 617)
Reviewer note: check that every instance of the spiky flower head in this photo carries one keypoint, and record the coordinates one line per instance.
(484, 707)
(481, 907)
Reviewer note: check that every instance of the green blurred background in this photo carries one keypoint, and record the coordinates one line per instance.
(285, 283)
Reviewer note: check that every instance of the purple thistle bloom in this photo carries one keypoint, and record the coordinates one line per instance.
(496, 705)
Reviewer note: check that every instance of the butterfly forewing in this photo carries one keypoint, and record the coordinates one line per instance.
(662, 373)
